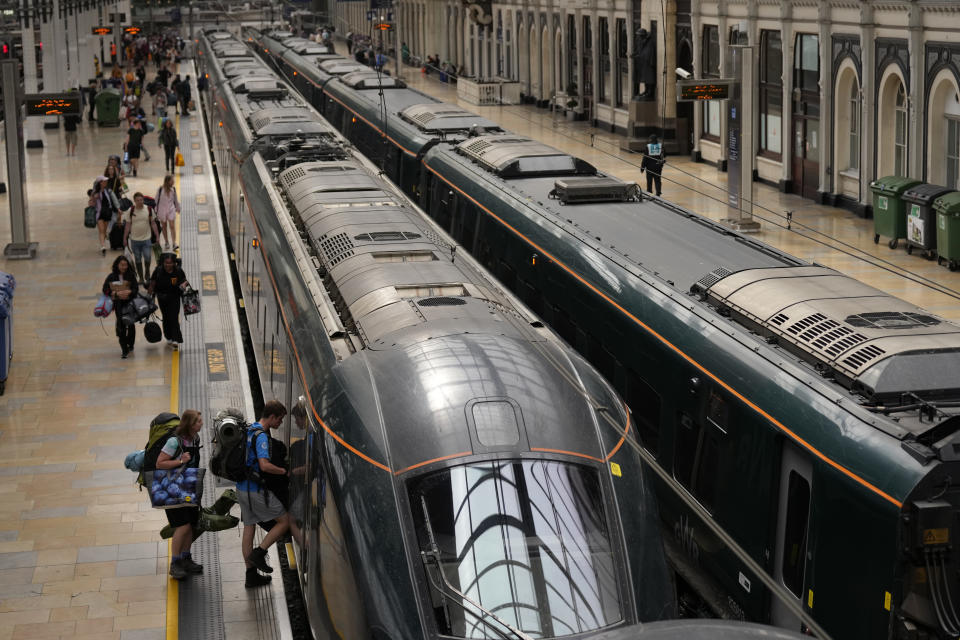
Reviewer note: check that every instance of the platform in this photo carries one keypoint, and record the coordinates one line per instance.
(80, 552)
(829, 236)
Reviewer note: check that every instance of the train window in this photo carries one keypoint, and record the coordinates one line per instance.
(602, 359)
(685, 451)
(507, 276)
(517, 538)
(531, 295)
(563, 325)
(717, 411)
(795, 533)
(645, 405)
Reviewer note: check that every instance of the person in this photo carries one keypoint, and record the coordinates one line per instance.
(167, 281)
(653, 161)
(113, 52)
(115, 181)
(137, 234)
(182, 449)
(70, 123)
(405, 53)
(301, 439)
(121, 286)
(133, 143)
(101, 200)
(170, 143)
(185, 96)
(160, 102)
(167, 209)
(349, 43)
(257, 503)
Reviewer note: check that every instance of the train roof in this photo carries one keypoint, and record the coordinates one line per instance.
(887, 351)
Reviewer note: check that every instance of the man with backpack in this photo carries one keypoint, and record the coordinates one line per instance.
(257, 503)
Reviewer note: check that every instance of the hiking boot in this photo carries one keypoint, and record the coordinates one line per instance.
(258, 558)
(254, 579)
(191, 566)
(177, 570)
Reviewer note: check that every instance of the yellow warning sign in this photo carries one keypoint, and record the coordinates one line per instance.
(209, 279)
(936, 536)
(886, 600)
(615, 469)
(216, 362)
(203, 226)
(810, 599)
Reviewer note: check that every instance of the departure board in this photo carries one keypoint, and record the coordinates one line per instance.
(101, 31)
(695, 90)
(52, 105)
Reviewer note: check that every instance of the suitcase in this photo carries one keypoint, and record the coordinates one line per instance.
(6, 338)
(116, 237)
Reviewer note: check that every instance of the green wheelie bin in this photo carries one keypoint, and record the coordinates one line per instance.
(107, 103)
(889, 215)
(947, 209)
(921, 219)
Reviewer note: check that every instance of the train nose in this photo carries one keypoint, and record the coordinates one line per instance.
(706, 629)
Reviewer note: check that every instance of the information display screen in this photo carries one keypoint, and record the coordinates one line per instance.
(52, 105)
(101, 31)
(132, 30)
(693, 90)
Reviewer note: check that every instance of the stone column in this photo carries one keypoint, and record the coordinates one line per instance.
(697, 53)
(73, 54)
(915, 93)
(868, 106)
(826, 92)
(786, 124)
(723, 35)
(29, 57)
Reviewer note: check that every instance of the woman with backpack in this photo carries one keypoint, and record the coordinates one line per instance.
(121, 286)
(139, 231)
(100, 199)
(167, 281)
(182, 449)
(167, 209)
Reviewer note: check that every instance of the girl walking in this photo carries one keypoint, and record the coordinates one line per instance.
(121, 286)
(182, 449)
(170, 143)
(167, 209)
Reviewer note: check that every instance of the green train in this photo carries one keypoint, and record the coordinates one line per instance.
(815, 419)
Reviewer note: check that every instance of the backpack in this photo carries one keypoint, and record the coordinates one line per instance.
(229, 457)
(161, 428)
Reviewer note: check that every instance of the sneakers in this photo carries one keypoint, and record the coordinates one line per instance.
(103, 250)
(175, 246)
(124, 354)
(258, 558)
(191, 566)
(174, 345)
(177, 570)
(254, 579)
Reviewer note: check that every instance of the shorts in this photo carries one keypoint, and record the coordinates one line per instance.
(182, 516)
(105, 214)
(133, 151)
(259, 506)
(167, 215)
(71, 138)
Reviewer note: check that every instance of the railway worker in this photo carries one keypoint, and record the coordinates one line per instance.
(653, 161)
(257, 503)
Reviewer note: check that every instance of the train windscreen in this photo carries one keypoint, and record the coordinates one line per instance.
(516, 545)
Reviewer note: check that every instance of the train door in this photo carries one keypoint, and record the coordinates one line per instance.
(793, 525)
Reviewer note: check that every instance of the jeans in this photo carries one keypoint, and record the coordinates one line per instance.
(170, 151)
(142, 252)
(169, 304)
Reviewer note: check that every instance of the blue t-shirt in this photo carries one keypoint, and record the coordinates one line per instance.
(255, 451)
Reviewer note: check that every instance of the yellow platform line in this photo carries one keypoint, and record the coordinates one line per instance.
(173, 586)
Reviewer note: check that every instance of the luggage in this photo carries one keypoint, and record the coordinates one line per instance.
(216, 517)
(104, 306)
(116, 237)
(152, 332)
(229, 457)
(179, 159)
(137, 309)
(90, 217)
(175, 488)
(191, 301)
(161, 428)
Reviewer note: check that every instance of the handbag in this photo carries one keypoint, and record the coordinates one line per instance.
(175, 488)
(179, 160)
(152, 332)
(104, 306)
(191, 301)
(90, 217)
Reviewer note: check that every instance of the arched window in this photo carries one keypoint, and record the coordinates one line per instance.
(854, 133)
(771, 92)
(711, 69)
(900, 138)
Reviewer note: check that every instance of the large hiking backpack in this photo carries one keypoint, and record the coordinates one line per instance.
(229, 457)
(161, 428)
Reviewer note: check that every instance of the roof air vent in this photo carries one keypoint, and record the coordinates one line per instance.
(594, 189)
(707, 281)
(442, 301)
(891, 320)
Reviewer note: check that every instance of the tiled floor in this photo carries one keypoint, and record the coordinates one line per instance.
(832, 237)
(80, 554)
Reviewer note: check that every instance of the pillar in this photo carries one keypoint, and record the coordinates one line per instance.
(868, 106)
(786, 128)
(826, 94)
(917, 89)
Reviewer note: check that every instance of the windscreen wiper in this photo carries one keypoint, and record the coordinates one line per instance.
(433, 554)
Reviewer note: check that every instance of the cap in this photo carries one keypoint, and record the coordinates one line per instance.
(101, 178)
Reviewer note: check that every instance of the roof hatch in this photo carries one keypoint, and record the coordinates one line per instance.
(878, 345)
(444, 118)
(367, 79)
(594, 189)
(511, 156)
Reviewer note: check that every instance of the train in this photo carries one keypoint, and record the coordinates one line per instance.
(811, 418)
(457, 469)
